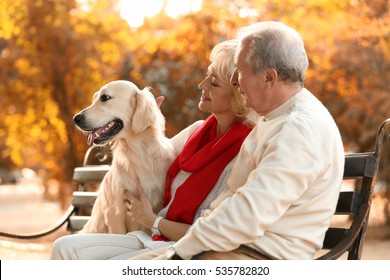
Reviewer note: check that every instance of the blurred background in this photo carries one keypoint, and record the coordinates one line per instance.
(54, 54)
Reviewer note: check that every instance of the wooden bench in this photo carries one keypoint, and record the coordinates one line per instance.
(362, 167)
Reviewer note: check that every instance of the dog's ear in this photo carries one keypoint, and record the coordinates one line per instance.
(144, 114)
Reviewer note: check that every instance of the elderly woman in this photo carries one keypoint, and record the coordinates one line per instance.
(206, 153)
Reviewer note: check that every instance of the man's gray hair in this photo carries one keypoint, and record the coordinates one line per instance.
(277, 46)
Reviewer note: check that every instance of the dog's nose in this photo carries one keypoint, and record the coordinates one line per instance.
(78, 118)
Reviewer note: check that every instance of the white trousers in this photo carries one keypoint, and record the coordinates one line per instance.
(97, 247)
(241, 253)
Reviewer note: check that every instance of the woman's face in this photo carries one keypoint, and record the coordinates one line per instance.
(217, 93)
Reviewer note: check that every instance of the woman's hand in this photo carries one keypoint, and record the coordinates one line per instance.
(140, 210)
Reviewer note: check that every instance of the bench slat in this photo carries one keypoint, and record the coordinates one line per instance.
(333, 236)
(359, 165)
(90, 174)
(76, 223)
(348, 203)
(84, 199)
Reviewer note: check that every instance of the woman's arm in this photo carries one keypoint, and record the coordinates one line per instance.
(172, 230)
(140, 210)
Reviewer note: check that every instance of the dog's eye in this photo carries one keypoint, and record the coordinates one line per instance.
(104, 98)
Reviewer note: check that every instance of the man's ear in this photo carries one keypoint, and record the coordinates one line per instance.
(271, 76)
(144, 114)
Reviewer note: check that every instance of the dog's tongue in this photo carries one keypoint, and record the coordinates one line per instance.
(97, 132)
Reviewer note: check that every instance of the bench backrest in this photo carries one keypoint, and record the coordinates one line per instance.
(363, 167)
(97, 155)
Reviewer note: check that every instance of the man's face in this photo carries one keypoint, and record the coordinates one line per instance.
(252, 86)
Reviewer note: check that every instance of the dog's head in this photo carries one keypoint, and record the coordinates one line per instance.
(119, 107)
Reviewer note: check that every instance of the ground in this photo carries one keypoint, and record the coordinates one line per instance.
(23, 210)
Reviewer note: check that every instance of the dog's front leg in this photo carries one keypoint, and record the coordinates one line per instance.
(96, 222)
(117, 224)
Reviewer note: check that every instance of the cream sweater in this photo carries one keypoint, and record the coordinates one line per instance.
(283, 188)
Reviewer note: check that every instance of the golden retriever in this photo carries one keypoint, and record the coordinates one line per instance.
(131, 121)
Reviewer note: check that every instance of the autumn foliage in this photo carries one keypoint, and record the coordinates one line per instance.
(55, 54)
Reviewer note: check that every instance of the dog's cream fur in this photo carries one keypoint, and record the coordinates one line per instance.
(141, 152)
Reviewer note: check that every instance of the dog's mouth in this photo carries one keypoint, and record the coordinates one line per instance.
(104, 133)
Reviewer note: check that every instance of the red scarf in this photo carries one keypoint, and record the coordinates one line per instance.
(205, 156)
